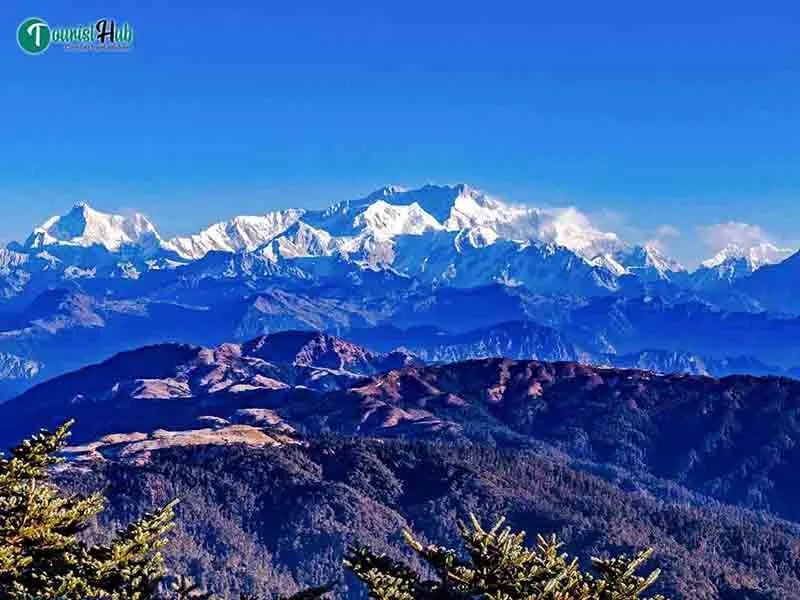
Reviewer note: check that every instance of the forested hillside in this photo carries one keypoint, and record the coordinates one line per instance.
(275, 518)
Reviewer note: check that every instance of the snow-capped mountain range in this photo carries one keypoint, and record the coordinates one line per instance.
(734, 262)
(84, 226)
(440, 235)
(86, 284)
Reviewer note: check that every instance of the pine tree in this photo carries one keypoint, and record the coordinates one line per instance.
(41, 557)
(497, 565)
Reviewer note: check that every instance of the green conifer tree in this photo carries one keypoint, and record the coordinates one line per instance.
(41, 557)
(497, 565)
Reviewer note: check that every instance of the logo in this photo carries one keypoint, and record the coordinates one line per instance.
(33, 35)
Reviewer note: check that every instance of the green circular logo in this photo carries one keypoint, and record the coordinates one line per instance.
(33, 35)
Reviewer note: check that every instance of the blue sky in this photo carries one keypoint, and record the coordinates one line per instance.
(641, 114)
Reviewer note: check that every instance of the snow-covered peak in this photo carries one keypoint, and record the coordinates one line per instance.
(461, 207)
(657, 259)
(84, 226)
(299, 241)
(471, 208)
(385, 220)
(348, 207)
(455, 207)
(570, 228)
(241, 233)
(353, 217)
(385, 192)
(565, 227)
(753, 257)
(475, 237)
(648, 262)
(480, 220)
(375, 230)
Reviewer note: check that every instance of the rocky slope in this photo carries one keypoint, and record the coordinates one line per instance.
(738, 436)
(172, 385)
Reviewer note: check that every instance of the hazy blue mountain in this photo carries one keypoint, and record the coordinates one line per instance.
(445, 236)
(774, 286)
(86, 284)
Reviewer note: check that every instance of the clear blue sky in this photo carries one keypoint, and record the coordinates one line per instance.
(640, 113)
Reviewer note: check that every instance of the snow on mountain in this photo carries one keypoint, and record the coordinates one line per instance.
(84, 244)
(482, 220)
(240, 233)
(458, 236)
(608, 262)
(465, 259)
(734, 262)
(346, 227)
(10, 260)
(648, 263)
(476, 237)
(448, 234)
(84, 226)
(300, 241)
(460, 207)
(753, 258)
(371, 227)
(364, 230)
(386, 220)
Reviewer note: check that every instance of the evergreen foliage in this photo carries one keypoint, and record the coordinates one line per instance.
(499, 566)
(270, 521)
(41, 555)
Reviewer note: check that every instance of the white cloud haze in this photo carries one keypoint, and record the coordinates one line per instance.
(664, 236)
(733, 233)
(667, 231)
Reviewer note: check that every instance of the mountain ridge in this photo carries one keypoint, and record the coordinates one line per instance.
(86, 284)
(378, 218)
(735, 427)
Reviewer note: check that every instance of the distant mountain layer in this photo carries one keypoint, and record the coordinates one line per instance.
(63, 330)
(775, 286)
(737, 439)
(102, 396)
(733, 263)
(590, 453)
(451, 236)
(405, 357)
(86, 285)
(16, 374)
(529, 340)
